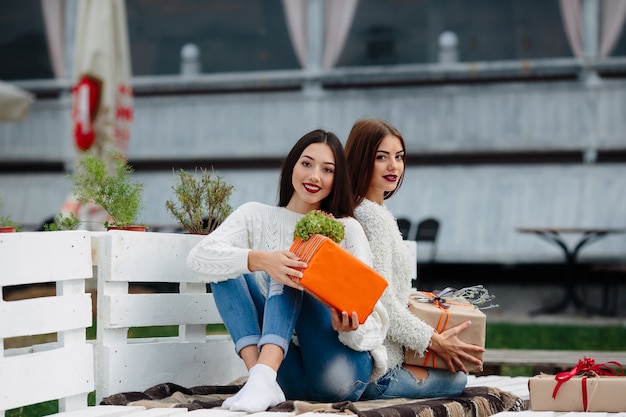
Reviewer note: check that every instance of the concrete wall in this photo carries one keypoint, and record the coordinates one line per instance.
(479, 205)
(497, 117)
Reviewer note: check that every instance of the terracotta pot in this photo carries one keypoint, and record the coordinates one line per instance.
(130, 228)
(7, 229)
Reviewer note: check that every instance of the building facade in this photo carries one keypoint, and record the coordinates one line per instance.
(505, 125)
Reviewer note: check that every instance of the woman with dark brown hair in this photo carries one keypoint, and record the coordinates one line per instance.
(376, 160)
(253, 277)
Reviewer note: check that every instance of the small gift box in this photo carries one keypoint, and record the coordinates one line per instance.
(442, 311)
(333, 274)
(586, 387)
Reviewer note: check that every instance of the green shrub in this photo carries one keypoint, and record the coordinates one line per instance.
(6, 220)
(112, 189)
(201, 204)
(61, 222)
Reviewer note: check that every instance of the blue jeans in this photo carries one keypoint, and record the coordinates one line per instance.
(400, 383)
(319, 367)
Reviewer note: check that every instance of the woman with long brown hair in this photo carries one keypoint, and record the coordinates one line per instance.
(251, 271)
(376, 157)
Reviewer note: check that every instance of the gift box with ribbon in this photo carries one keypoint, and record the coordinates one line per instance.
(586, 387)
(443, 310)
(338, 278)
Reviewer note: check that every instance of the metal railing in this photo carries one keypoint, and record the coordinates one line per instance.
(356, 76)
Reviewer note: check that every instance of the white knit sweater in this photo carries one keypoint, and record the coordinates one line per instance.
(223, 254)
(391, 260)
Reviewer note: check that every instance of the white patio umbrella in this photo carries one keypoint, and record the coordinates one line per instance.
(14, 102)
(102, 108)
(102, 102)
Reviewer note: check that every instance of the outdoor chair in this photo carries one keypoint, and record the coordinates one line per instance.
(426, 232)
(405, 226)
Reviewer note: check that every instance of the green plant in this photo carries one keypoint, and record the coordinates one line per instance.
(110, 188)
(202, 201)
(6, 220)
(61, 222)
(319, 222)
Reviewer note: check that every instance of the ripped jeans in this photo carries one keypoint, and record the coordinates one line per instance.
(316, 368)
(400, 383)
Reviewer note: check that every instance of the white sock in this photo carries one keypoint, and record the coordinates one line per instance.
(230, 400)
(260, 392)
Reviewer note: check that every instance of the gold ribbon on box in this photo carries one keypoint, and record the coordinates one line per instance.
(587, 368)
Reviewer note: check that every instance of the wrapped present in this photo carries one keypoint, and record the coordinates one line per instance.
(336, 277)
(442, 311)
(586, 387)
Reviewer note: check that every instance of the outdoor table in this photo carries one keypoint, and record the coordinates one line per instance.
(587, 236)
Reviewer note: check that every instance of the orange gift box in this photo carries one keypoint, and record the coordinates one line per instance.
(443, 314)
(338, 278)
(587, 387)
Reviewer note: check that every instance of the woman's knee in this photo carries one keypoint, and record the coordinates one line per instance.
(343, 380)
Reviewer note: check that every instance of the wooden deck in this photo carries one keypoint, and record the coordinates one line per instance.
(547, 361)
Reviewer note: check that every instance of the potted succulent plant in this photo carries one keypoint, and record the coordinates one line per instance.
(111, 188)
(321, 223)
(201, 202)
(6, 224)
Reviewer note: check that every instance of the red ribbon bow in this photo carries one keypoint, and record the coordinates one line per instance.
(587, 368)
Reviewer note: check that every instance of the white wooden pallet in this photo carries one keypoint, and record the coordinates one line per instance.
(65, 370)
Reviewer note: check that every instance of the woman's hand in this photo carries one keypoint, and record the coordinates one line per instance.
(452, 350)
(342, 322)
(279, 265)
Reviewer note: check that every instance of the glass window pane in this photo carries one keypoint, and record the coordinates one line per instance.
(232, 35)
(252, 35)
(23, 49)
(620, 45)
(407, 31)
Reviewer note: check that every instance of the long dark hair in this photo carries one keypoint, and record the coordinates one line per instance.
(361, 146)
(339, 201)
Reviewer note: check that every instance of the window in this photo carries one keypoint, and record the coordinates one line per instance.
(252, 35)
(23, 49)
(232, 35)
(407, 31)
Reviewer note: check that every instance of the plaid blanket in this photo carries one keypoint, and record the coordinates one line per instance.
(474, 402)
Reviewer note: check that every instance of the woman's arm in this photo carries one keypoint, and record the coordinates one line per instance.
(279, 265)
(223, 254)
(370, 334)
(453, 350)
(405, 328)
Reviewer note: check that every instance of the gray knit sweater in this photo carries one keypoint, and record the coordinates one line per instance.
(390, 258)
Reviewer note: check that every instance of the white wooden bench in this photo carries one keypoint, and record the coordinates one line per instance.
(70, 368)
(129, 364)
(61, 370)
